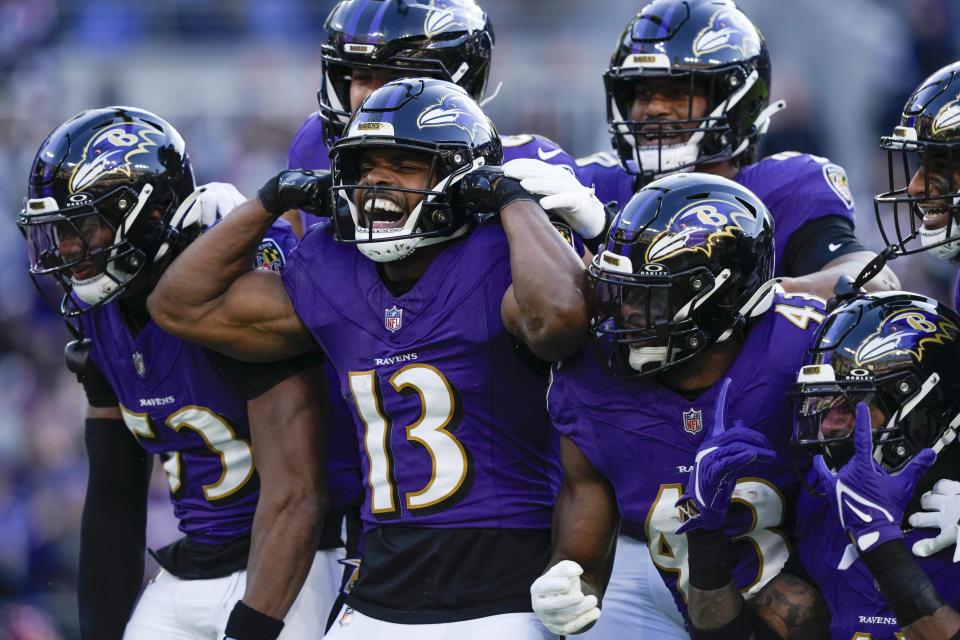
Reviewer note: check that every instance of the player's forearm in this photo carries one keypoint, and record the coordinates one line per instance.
(821, 283)
(549, 282)
(286, 532)
(200, 275)
(112, 529)
(714, 600)
(913, 599)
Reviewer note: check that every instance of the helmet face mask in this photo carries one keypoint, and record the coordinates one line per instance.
(895, 351)
(686, 263)
(446, 39)
(101, 215)
(426, 120)
(928, 219)
(713, 52)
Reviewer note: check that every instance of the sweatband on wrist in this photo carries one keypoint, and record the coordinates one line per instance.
(508, 190)
(904, 585)
(708, 555)
(245, 623)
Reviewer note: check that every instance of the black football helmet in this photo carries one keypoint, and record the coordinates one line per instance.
(103, 211)
(687, 262)
(423, 116)
(896, 351)
(927, 137)
(447, 39)
(714, 48)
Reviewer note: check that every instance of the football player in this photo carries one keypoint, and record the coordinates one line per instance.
(371, 43)
(111, 202)
(421, 319)
(879, 398)
(921, 210)
(688, 321)
(687, 89)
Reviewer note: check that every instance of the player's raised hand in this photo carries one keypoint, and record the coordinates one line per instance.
(297, 189)
(870, 501)
(715, 470)
(559, 601)
(485, 189)
(942, 511)
(563, 195)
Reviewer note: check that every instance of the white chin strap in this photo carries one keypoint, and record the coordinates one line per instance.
(642, 356)
(101, 286)
(947, 250)
(395, 244)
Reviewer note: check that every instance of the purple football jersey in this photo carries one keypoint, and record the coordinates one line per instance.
(344, 485)
(180, 404)
(309, 151)
(857, 607)
(452, 428)
(643, 438)
(796, 187)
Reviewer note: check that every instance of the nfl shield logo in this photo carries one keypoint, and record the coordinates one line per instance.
(393, 318)
(138, 364)
(691, 421)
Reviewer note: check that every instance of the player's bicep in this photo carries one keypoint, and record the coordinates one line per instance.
(255, 320)
(104, 413)
(288, 426)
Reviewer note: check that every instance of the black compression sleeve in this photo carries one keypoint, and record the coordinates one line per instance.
(98, 389)
(112, 529)
(257, 378)
(818, 242)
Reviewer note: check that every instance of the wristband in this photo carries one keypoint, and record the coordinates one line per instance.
(708, 555)
(904, 585)
(245, 623)
(508, 190)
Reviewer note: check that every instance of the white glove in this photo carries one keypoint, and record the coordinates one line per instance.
(942, 506)
(563, 195)
(216, 200)
(559, 601)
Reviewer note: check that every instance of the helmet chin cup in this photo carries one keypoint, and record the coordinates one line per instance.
(101, 287)
(936, 242)
(641, 357)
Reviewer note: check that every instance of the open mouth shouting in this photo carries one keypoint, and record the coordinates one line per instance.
(655, 135)
(383, 212)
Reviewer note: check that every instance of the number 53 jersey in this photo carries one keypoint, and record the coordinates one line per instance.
(643, 438)
(452, 429)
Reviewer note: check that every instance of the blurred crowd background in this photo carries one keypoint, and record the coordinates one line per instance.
(238, 77)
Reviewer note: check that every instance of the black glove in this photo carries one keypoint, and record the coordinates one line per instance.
(475, 192)
(297, 189)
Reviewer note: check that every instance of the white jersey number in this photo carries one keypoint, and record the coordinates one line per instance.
(669, 550)
(439, 413)
(236, 456)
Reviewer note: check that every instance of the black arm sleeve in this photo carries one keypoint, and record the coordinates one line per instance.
(818, 242)
(112, 529)
(98, 390)
(257, 378)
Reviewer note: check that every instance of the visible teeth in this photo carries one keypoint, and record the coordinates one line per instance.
(381, 204)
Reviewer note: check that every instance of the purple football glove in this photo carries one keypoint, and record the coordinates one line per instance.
(870, 501)
(715, 470)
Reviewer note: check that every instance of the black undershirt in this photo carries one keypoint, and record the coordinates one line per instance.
(420, 575)
(818, 242)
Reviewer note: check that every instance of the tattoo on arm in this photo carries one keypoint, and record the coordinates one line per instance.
(714, 608)
(793, 608)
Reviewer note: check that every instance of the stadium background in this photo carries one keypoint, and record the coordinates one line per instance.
(237, 78)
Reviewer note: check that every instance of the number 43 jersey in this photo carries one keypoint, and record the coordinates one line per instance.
(452, 428)
(643, 438)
